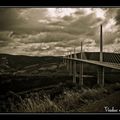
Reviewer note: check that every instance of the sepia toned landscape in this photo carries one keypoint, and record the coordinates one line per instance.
(59, 60)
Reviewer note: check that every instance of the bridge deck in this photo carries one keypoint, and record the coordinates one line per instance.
(104, 64)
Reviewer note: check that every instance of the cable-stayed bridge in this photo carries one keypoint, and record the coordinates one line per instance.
(102, 60)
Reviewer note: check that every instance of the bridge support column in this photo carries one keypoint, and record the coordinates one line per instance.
(64, 62)
(74, 71)
(68, 63)
(81, 74)
(81, 67)
(100, 76)
(71, 65)
(74, 68)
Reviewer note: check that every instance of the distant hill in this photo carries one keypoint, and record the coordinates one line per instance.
(21, 61)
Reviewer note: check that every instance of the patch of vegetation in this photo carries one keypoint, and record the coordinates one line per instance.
(74, 100)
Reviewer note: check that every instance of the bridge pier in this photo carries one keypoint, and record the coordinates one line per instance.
(68, 63)
(100, 76)
(74, 68)
(64, 61)
(81, 74)
(71, 65)
(81, 68)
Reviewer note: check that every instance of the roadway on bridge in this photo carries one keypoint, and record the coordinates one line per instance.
(104, 64)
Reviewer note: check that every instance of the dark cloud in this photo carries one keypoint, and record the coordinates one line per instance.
(79, 12)
(47, 37)
(21, 18)
(9, 18)
(83, 25)
(118, 17)
(109, 38)
(68, 18)
(33, 15)
(36, 32)
(35, 29)
(5, 38)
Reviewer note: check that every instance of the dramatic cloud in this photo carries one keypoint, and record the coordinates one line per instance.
(51, 31)
(9, 18)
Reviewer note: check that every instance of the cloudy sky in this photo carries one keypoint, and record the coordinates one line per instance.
(54, 31)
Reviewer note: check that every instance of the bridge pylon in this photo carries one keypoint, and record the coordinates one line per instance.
(100, 71)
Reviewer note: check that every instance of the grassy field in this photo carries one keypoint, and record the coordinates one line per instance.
(44, 85)
(70, 100)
